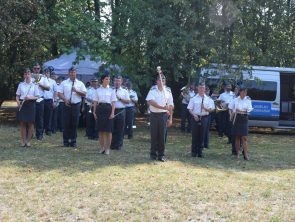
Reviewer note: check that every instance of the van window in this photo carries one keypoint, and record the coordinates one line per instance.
(262, 90)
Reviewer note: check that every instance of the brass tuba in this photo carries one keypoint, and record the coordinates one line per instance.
(220, 106)
(37, 77)
(185, 93)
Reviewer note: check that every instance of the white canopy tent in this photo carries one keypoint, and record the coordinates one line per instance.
(85, 67)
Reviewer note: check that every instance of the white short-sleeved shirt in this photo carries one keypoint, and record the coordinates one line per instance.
(89, 95)
(44, 82)
(227, 97)
(133, 97)
(158, 96)
(195, 105)
(52, 89)
(27, 89)
(66, 88)
(191, 95)
(242, 104)
(104, 95)
(122, 94)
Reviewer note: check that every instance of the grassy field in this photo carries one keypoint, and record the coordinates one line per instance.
(50, 183)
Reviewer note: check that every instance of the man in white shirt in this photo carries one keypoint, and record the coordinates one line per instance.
(199, 107)
(186, 94)
(160, 101)
(123, 98)
(130, 110)
(43, 86)
(91, 129)
(224, 125)
(71, 92)
(48, 102)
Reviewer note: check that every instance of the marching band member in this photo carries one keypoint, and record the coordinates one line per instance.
(240, 108)
(223, 123)
(233, 139)
(43, 84)
(123, 98)
(60, 107)
(199, 107)
(104, 112)
(160, 101)
(186, 94)
(71, 92)
(130, 110)
(55, 105)
(207, 130)
(91, 129)
(26, 95)
(48, 102)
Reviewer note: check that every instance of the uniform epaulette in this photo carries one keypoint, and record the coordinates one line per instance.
(168, 89)
(248, 97)
(153, 87)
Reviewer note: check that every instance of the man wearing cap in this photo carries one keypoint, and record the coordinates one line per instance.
(224, 125)
(123, 98)
(48, 103)
(60, 107)
(55, 104)
(91, 129)
(130, 110)
(43, 86)
(71, 92)
(160, 101)
(199, 107)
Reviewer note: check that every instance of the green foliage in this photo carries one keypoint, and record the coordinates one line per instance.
(180, 35)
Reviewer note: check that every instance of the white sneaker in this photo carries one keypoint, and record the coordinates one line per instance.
(101, 151)
(107, 151)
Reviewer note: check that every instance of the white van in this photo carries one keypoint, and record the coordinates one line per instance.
(273, 95)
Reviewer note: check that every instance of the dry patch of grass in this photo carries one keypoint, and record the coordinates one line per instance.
(51, 183)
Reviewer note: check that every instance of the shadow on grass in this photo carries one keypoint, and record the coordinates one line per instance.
(267, 153)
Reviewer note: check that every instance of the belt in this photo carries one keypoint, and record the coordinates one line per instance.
(119, 108)
(159, 113)
(242, 114)
(48, 99)
(74, 104)
(104, 104)
(204, 116)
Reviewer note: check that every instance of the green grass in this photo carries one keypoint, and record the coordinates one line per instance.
(51, 183)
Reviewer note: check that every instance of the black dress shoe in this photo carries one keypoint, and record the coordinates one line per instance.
(194, 155)
(66, 145)
(201, 155)
(73, 144)
(162, 159)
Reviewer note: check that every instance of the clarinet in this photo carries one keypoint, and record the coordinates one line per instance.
(22, 102)
(72, 91)
(200, 118)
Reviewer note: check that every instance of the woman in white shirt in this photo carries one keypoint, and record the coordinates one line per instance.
(26, 95)
(103, 110)
(239, 111)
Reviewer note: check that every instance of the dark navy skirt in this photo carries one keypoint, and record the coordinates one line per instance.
(240, 127)
(103, 123)
(27, 112)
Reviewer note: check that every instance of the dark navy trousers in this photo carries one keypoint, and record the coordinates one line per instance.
(39, 119)
(71, 121)
(118, 129)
